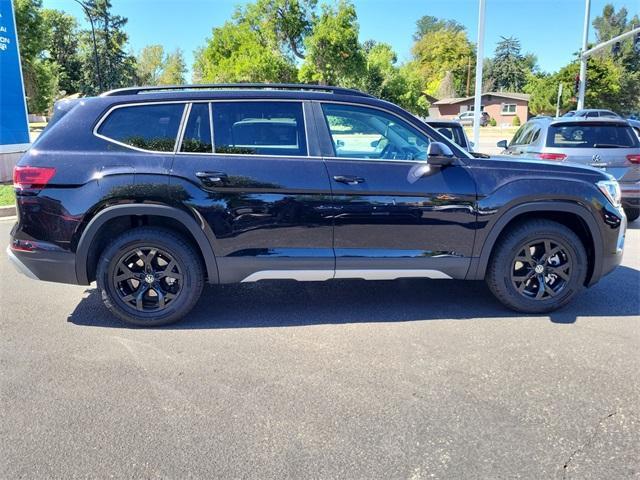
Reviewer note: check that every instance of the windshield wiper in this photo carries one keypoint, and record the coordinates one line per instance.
(607, 145)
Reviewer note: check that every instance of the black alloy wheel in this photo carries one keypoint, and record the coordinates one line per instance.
(150, 276)
(541, 269)
(537, 266)
(147, 279)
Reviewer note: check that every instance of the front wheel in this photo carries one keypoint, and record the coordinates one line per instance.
(150, 276)
(537, 266)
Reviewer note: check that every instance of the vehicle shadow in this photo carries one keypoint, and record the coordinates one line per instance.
(271, 304)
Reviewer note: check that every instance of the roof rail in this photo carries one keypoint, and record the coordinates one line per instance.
(237, 86)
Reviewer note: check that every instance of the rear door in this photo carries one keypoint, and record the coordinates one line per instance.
(394, 215)
(248, 169)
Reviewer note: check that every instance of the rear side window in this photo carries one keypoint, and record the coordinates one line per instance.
(259, 128)
(592, 136)
(150, 127)
(197, 132)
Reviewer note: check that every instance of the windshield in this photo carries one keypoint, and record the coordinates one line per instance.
(581, 135)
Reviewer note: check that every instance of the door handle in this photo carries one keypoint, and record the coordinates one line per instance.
(211, 178)
(348, 179)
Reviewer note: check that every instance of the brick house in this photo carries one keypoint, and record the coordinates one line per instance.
(500, 106)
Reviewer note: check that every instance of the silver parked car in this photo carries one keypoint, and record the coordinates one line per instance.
(611, 144)
(466, 118)
(591, 113)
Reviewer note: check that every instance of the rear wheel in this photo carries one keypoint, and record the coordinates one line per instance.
(632, 214)
(537, 267)
(150, 276)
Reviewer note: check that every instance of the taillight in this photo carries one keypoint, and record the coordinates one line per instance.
(552, 156)
(28, 178)
(633, 158)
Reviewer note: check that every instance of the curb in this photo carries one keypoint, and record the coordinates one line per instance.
(7, 211)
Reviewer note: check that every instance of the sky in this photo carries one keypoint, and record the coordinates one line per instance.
(550, 29)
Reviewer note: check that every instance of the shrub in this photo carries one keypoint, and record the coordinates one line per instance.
(516, 121)
(493, 122)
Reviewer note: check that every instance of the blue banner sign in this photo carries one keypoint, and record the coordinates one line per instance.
(14, 127)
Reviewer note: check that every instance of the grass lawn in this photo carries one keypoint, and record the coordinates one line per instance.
(7, 197)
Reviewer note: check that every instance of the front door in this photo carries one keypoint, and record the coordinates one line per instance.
(261, 192)
(394, 215)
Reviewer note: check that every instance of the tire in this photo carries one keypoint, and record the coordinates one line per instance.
(140, 285)
(632, 214)
(553, 248)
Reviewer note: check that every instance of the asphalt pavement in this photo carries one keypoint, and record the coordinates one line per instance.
(412, 379)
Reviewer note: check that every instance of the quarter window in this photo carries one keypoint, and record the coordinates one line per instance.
(197, 133)
(360, 132)
(150, 127)
(259, 128)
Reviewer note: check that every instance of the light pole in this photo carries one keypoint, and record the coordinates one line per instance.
(95, 45)
(477, 104)
(583, 59)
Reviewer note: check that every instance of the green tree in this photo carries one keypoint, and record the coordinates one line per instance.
(333, 53)
(428, 24)
(62, 47)
(40, 74)
(607, 26)
(385, 79)
(237, 53)
(509, 67)
(149, 65)
(442, 51)
(115, 66)
(174, 70)
(282, 24)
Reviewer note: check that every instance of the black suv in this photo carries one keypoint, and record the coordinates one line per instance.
(152, 192)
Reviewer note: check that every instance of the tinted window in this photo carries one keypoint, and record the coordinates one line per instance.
(591, 136)
(359, 132)
(197, 133)
(151, 127)
(259, 128)
(520, 138)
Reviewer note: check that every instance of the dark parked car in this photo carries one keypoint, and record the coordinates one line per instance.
(451, 129)
(607, 143)
(152, 192)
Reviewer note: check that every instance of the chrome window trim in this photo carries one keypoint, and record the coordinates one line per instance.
(183, 127)
(136, 104)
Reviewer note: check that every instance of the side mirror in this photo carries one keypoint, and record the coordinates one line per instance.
(339, 143)
(375, 143)
(438, 154)
(502, 144)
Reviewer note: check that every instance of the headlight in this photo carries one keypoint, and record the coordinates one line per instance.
(611, 190)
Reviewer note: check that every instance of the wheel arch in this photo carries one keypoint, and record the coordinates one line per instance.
(572, 215)
(121, 216)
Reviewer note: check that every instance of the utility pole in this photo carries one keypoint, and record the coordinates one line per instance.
(469, 77)
(477, 104)
(558, 101)
(583, 59)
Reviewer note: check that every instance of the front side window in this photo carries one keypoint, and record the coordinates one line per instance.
(453, 133)
(259, 128)
(197, 132)
(360, 132)
(149, 127)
